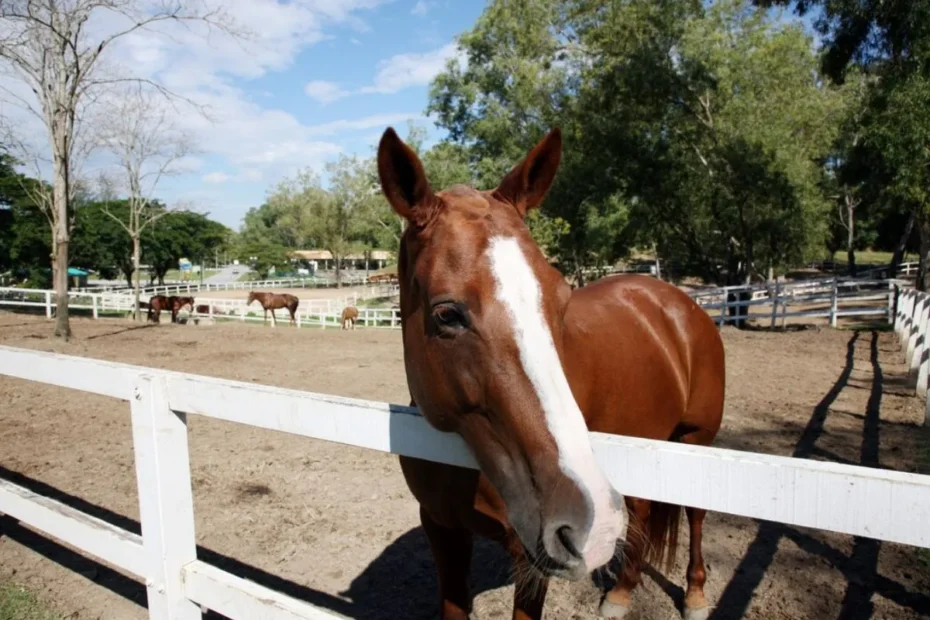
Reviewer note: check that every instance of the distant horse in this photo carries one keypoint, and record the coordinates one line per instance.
(273, 301)
(499, 349)
(157, 303)
(349, 317)
(177, 304)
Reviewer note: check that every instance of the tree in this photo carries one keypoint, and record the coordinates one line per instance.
(100, 242)
(339, 222)
(147, 148)
(889, 42)
(180, 234)
(697, 130)
(46, 46)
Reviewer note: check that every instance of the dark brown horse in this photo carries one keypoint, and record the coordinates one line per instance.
(499, 349)
(157, 303)
(273, 301)
(349, 317)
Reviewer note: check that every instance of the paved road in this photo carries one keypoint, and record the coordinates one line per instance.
(226, 275)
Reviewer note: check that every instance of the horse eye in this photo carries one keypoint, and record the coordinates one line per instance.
(450, 316)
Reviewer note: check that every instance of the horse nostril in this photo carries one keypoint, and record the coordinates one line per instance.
(564, 534)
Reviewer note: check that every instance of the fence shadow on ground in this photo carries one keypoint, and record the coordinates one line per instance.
(400, 583)
(860, 569)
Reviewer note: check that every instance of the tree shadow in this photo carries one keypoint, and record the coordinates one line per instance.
(122, 331)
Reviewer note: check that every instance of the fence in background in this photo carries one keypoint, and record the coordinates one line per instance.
(860, 501)
(767, 304)
(186, 288)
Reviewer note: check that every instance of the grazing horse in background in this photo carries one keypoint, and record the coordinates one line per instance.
(177, 304)
(349, 317)
(273, 301)
(499, 349)
(157, 303)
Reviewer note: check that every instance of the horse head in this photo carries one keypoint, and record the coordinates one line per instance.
(482, 316)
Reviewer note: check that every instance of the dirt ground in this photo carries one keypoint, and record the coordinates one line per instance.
(336, 525)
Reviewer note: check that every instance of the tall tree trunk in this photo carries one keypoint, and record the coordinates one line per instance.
(137, 273)
(62, 238)
(899, 249)
(851, 235)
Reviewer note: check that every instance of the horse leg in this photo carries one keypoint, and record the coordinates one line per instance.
(696, 607)
(616, 603)
(274, 319)
(451, 549)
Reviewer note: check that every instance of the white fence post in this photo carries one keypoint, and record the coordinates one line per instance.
(914, 334)
(775, 305)
(166, 504)
(94, 299)
(48, 304)
(907, 319)
(723, 308)
(833, 300)
(921, 361)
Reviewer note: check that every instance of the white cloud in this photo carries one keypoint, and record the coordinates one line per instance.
(256, 142)
(377, 120)
(421, 8)
(215, 178)
(355, 41)
(325, 92)
(405, 70)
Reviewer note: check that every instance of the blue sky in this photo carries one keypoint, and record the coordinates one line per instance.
(313, 79)
(333, 85)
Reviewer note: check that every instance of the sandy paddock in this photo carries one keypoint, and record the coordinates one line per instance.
(336, 525)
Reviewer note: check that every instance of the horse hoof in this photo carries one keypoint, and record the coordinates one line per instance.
(613, 611)
(697, 613)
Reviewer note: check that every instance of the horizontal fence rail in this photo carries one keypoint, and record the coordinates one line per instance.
(860, 501)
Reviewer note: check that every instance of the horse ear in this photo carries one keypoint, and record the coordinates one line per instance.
(403, 180)
(526, 185)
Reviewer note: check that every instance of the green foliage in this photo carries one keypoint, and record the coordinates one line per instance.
(701, 129)
(179, 235)
(263, 256)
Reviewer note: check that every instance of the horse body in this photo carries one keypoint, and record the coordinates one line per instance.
(274, 301)
(349, 317)
(157, 303)
(499, 349)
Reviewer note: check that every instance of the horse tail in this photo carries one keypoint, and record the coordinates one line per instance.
(664, 520)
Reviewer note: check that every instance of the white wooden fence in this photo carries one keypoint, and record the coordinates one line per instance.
(830, 299)
(911, 318)
(311, 312)
(873, 503)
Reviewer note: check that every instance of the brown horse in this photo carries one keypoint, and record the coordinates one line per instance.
(177, 304)
(499, 349)
(273, 301)
(349, 317)
(157, 303)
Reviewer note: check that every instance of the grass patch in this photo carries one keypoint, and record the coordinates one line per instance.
(871, 257)
(17, 603)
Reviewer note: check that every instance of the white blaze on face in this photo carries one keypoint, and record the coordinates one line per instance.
(518, 289)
